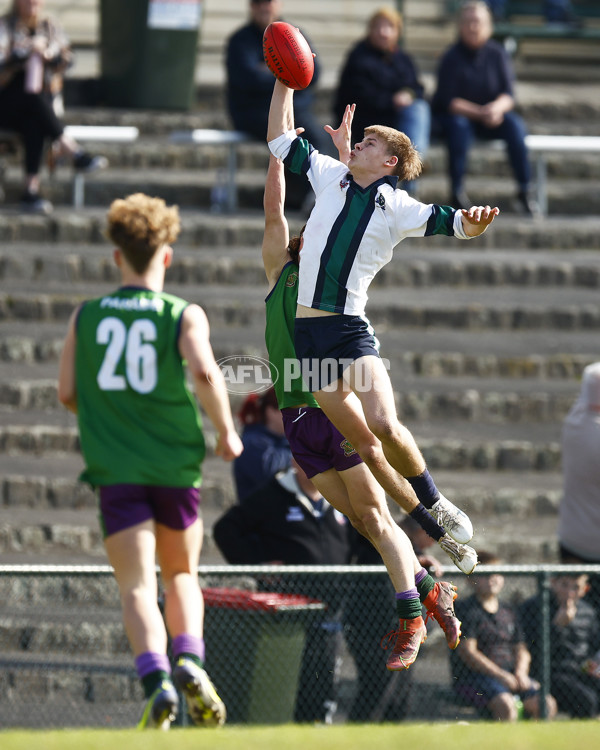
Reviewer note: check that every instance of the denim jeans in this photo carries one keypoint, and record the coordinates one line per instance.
(558, 10)
(459, 133)
(415, 121)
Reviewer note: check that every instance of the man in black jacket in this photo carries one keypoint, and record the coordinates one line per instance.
(250, 87)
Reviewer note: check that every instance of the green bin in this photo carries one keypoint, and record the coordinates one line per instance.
(148, 52)
(254, 646)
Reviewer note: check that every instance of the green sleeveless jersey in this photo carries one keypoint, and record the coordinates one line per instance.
(281, 306)
(138, 421)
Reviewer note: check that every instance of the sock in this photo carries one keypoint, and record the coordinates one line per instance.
(189, 646)
(425, 584)
(425, 488)
(152, 669)
(408, 604)
(427, 522)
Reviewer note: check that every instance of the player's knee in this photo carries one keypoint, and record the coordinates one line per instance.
(386, 430)
(371, 517)
(370, 452)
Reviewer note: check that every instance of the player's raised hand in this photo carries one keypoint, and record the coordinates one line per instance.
(477, 219)
(342, 136)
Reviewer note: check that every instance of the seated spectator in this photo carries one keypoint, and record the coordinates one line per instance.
(34, 52)
(490, 667)
(288, 522)
(266, 449)
(250, 87)
(555, 11)
(560, 11)
(382, 80)
(574, 645)
(475, 99)
(579, 510)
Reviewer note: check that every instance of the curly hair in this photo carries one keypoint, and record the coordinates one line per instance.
(139, 225)
(409, 161)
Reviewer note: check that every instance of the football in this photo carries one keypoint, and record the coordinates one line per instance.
(288, 55)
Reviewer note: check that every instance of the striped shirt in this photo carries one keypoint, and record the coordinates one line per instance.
(352, 231)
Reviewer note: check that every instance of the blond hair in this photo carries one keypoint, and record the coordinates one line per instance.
(389, 14)
(140, 225)
(399, 144)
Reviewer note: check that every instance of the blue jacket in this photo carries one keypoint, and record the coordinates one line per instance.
(369, 79)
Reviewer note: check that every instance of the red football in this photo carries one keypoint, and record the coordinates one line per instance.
(288, 55)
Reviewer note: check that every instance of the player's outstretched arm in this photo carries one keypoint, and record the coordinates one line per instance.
(477, 219)
(195, 347)
(277, 236)
(281, 111)
(342, 136)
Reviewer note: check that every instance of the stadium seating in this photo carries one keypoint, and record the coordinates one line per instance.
(486, 340)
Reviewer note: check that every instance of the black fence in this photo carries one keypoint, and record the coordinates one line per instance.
(282, 643)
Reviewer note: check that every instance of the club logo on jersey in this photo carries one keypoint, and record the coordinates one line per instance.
(292, 279)
(380, 200)
(347, 447)
(344, 182)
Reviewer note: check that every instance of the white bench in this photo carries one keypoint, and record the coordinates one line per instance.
(89, 133)
(230, 139)
(542, 145)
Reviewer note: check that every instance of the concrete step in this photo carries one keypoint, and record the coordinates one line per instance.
(419, 397)
(446, 444)
(431, 353)
(455, 264)
(535, 542)
(203, 229)
(152, 152)
(192, 189)
(476, 308)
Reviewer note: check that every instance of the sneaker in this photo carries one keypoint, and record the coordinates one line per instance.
(33, 203)
(526, 204)
(84, 162)
(161, 708)
(408, 639)
(204, 705)
(463, 556)
(439, 604)
(453, 520)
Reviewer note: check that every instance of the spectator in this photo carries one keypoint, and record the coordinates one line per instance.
(490, 667)
(122, 373)
(250, 86)
(382, 80)
(560, 11)
(288, 522)
(574, 645)
(34, 52)
(266, 449)
(555, 11)
(475, 99)
(579, 511)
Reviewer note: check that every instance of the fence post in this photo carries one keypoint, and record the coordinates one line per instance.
(544, 592)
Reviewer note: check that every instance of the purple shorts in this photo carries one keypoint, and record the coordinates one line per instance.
(315, 443)
(126, 505)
